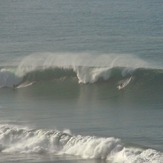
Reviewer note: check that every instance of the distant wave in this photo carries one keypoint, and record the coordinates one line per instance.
(16, 139)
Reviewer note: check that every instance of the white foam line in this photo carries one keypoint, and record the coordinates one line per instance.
(24, 140)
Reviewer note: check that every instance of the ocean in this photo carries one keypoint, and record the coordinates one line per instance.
(81, 81)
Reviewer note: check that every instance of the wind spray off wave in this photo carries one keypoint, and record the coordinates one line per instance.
(86, 68)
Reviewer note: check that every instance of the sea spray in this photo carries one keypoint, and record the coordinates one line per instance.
(89, 68)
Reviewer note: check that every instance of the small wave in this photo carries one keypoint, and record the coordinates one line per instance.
(16, 139)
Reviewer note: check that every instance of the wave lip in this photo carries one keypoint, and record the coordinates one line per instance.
(16, 139)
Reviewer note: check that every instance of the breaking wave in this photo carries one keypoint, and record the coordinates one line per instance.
(22, 140)
(85, 68)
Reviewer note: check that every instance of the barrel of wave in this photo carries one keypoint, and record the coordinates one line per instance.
(8, 78)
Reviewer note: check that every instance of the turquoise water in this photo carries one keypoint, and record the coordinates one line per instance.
(81, 81)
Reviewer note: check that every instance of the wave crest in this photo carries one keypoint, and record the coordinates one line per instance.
(86, 68)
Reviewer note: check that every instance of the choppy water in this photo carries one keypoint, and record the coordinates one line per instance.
(81, 81)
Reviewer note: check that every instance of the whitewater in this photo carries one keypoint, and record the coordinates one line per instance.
(23, 140)
(55, 71)
(81, 81)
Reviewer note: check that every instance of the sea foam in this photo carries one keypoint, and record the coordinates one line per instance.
(16, 139)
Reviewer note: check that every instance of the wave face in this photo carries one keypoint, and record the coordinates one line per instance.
(84, 68)
(16, 139)
(87, 68)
